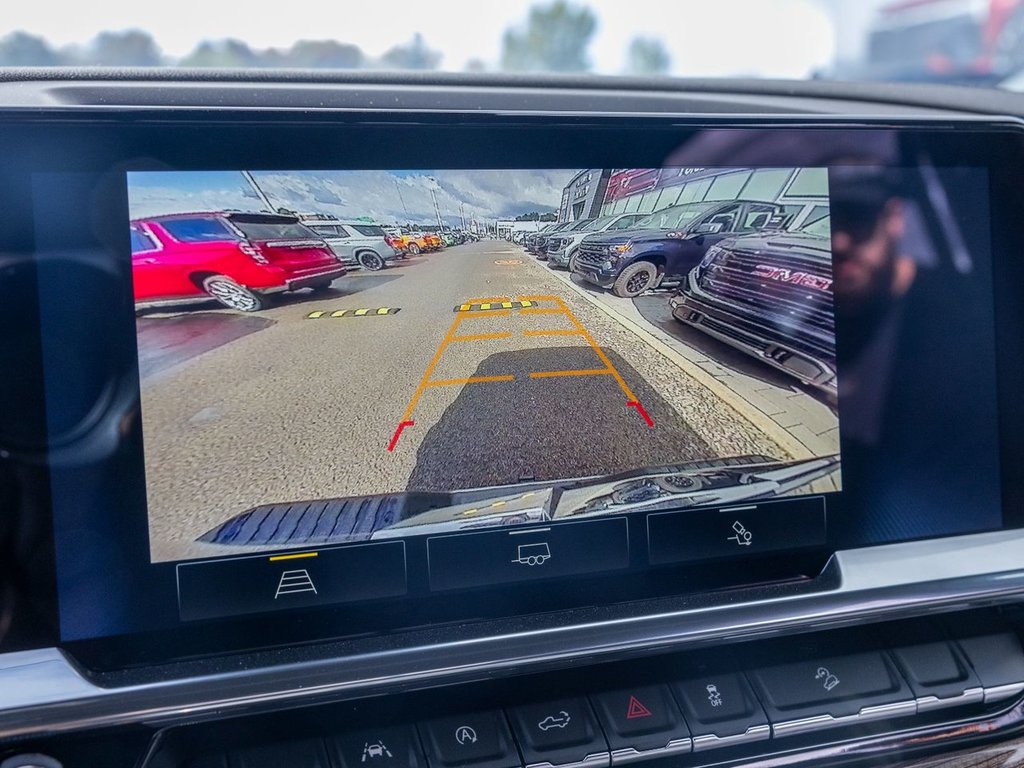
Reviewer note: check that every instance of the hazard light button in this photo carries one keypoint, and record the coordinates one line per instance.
(642, 723)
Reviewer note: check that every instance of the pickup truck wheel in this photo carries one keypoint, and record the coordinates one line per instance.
(635, 279)
(572, 262)
(414, 249)
(231, 294)
(370, 260)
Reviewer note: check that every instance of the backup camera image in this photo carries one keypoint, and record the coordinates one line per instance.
(346, 356)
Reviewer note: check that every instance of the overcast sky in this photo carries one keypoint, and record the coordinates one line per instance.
(385, 196)
(768, 38)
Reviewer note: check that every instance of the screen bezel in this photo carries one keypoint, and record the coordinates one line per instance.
(101, 143)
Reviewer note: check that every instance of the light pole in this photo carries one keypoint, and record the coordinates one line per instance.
(259, 192)
(433, 196)
(398, 189)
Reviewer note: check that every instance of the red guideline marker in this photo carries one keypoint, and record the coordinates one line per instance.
(641, 411)
(398, 433)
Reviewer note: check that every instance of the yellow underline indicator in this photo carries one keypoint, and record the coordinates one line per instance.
(583, 372)
(299, 556)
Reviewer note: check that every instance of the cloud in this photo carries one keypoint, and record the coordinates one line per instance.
(386, 196)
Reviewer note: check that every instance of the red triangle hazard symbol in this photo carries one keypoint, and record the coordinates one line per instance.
(636, 709)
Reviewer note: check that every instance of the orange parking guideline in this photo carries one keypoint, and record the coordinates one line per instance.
(579, 330)
(482, 336)
(490, 313)
(431, 366)
(470, 380)
(630, 397)
(554, 332)
(577, 372)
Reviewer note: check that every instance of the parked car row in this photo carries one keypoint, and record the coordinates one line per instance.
(240, 259)
(741, 275)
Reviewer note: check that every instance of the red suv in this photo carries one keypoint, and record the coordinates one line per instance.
(235, 258)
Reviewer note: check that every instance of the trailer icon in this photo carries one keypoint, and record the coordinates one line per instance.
(533, 554)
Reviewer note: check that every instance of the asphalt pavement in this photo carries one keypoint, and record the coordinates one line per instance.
(304, 400)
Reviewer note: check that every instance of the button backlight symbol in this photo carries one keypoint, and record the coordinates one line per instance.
(743, 537)
(828, 680)
(465, 735)
(554, 721)
(294, 582)
(533, 554)
(714, 696)
(373, 750)
(636, 709)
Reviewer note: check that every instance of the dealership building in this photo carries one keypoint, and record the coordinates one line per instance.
(583, 196)
(803, 192)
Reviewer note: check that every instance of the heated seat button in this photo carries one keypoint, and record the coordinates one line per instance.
(481, 740)
(824, 692)
(721, 710)
(642, 722)
(387, 747)
(938, 675)
(559, 732)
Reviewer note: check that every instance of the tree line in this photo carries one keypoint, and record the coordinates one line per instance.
(555, 37)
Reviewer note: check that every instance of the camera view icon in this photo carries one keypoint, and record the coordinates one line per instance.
(742, 537)
(533, 554)
(295, 582)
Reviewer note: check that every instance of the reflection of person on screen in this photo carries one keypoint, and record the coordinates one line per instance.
(908, 351)
(871, 276)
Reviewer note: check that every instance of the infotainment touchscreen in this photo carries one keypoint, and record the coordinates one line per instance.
(331, 357)
(326, 393)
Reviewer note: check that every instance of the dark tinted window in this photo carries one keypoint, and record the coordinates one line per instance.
(274, 230)
(197, 230)
(141, 241)
(369, 230)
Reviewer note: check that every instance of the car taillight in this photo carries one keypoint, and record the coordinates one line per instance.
(253, 253)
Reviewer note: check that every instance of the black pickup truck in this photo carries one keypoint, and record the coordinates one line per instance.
(665, 245)
(769, 295)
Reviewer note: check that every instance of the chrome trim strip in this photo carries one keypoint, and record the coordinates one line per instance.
(596, 760)
(630, 755)
(866, 714)
(1000, 692)
(43, 692)
(969, 696)
(711, 741)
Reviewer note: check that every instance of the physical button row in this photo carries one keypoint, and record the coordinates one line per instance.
(705, 712)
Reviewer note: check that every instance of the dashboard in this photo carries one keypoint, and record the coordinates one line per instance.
(490, 422)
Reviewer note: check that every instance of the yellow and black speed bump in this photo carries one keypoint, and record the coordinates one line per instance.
(353, 312)
(494, 305)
